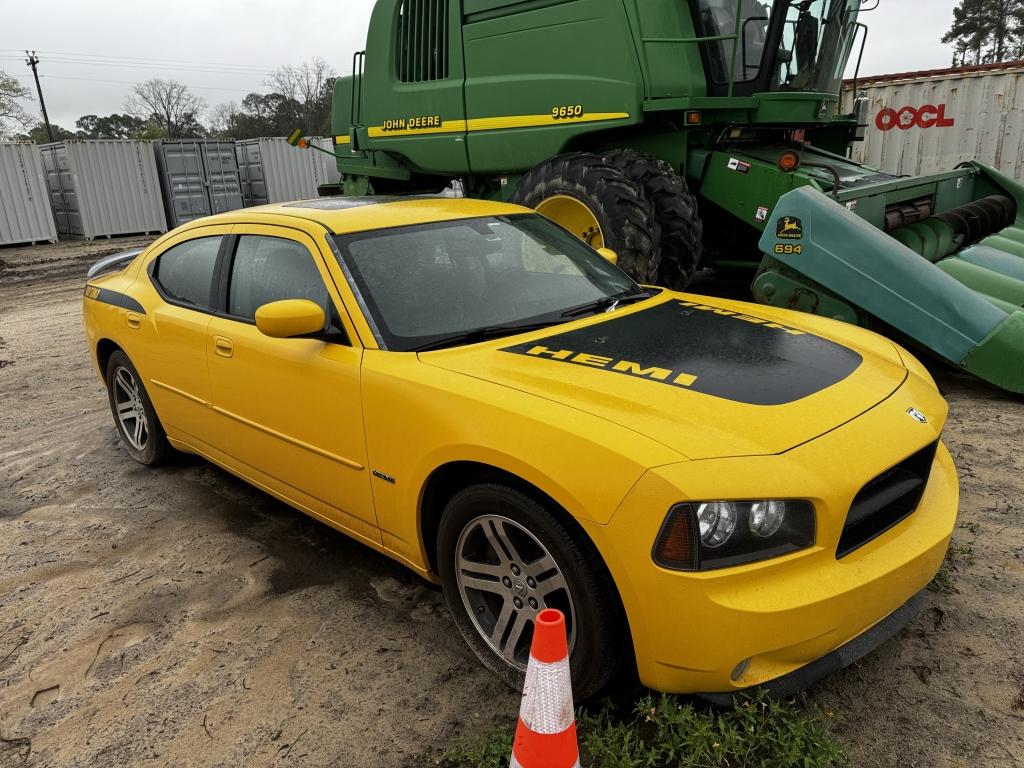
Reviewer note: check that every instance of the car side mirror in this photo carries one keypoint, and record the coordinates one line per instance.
(609, 255)
(290, 318)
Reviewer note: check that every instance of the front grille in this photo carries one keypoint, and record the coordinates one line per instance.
(886, 500)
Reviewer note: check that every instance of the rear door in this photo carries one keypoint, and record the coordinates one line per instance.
(173, 336)
(290, 409)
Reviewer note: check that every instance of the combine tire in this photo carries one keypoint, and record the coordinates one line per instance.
(596, 202)
(675, 209)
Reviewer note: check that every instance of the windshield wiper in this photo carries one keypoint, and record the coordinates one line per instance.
(607, 304)
(482, 334)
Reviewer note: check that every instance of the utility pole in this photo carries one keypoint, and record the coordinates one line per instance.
(32, 61)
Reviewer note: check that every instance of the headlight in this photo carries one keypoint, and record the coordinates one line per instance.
(705, 535)
(716, 521)
(766, 517)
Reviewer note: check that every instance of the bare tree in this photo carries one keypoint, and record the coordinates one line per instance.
(169, 106)
(309, 85)
(221, 119)
(14, 118)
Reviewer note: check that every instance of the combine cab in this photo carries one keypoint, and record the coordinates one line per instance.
(688, 133)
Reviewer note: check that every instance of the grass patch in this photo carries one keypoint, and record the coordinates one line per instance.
(666, 732)
(958, 556)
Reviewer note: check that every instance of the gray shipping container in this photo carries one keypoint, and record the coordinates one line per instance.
(25, 214)
(104, 187)
(926, 122)
(273, 171)
(198, 178)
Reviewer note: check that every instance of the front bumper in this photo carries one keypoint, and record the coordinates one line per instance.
(692, 631)
(803, 678)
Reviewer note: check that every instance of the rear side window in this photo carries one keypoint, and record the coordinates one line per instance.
(185, 272)
(268, 269)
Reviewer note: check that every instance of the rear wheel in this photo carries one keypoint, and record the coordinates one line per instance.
(133, 412)
(596, 202)
(503, 558)
(675, 209)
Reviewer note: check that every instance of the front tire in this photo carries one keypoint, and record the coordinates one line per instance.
(136, 420)
(596, 202)
(675, 209)
(503, 557)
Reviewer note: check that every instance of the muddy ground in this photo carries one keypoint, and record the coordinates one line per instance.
(178, 617)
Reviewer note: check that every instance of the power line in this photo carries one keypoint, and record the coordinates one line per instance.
(151, 59)
(153, 67)
(136, 82)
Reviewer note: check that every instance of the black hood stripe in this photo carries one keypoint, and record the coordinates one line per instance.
(707, 349)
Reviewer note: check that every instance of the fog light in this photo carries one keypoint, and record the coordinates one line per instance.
(716, 521)
(766, 517)
(740, 670)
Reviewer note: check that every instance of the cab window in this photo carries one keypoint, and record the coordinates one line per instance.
(185, 271)
(268, 269)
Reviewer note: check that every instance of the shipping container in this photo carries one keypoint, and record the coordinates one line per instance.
(273, 171)
(198, 178)
(925, 122)
(25, 213)
(104, 187)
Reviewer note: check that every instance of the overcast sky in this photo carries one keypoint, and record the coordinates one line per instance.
(224, 49)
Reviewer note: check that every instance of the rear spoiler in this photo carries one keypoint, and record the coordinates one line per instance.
(113, 263)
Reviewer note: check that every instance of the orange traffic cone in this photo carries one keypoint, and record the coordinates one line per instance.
(546, 732)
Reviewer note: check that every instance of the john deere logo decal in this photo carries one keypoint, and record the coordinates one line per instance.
(789, 228)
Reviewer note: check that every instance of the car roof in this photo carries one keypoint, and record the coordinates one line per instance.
(343, 215)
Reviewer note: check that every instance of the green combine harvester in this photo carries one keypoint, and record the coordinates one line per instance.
(689, 133)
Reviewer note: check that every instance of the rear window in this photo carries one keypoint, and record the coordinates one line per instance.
(185, 271)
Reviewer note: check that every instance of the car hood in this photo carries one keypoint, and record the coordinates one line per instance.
(706, 378)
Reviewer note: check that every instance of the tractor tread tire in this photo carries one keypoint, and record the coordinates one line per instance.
(626, 215)
(676, 211)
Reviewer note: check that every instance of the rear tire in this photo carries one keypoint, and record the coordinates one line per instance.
(500, 538)
(134, 416)
(624, 217)
(675, 209)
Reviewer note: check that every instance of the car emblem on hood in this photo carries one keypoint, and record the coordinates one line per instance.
(917, 415)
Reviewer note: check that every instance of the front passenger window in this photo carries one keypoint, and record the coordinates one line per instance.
(268, 269)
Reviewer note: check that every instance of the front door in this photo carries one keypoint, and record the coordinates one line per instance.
(290, 409)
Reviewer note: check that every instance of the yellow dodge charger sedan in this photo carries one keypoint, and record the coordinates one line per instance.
(718, 495)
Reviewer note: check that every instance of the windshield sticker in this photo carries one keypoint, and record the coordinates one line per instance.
(706, 349)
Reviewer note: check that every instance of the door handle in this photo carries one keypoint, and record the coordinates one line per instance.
(223, 346)
(134, 320)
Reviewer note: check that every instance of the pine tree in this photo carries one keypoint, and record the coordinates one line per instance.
(986, 31)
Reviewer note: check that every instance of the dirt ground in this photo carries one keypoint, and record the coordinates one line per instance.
(178, 617)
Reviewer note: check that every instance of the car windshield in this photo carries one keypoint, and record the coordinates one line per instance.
(430, 284)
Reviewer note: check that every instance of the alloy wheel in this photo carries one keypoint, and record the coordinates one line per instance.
(506, 577)
(128, 405)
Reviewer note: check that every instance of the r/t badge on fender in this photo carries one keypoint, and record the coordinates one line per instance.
(916, 415)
